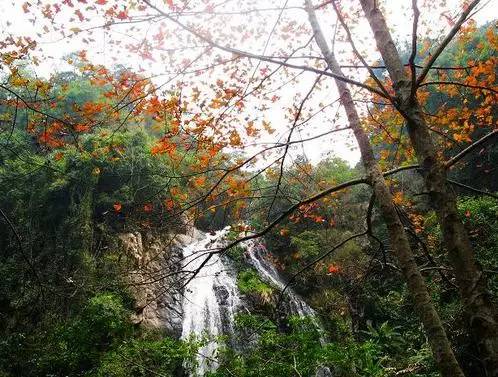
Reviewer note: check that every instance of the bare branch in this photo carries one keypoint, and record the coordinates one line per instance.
(470, 188)
(446, 41)
(456, 83)
(452, 161)
(262, 57)
(411, 60)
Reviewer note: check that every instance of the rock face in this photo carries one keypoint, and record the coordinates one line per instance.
(154, 277)
(323, 372)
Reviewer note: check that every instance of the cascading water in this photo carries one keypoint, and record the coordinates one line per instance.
(212, 299)
(259, 258)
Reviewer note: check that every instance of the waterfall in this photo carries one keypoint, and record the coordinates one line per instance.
(212, 299)
(259, 257)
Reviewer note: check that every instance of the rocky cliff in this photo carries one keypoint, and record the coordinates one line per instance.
(155, 278)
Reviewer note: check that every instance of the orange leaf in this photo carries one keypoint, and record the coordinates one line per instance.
(398, 198)
(169, 204)
(148, 207)
(123, 15)
(235, 139)
(199, 181)
(81, 127)
(267, 127)
(117, 206)
(333, 269)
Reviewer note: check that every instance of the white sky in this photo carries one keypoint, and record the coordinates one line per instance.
(15, 22)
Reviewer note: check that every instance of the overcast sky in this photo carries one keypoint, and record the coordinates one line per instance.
(15, 22)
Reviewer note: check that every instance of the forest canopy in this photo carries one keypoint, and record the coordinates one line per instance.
(353, 143)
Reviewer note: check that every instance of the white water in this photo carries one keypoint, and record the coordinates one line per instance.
(260, 259)
(204, 310)
(212, 299)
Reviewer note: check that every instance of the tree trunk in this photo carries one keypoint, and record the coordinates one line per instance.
(435, 332)
(479, 307)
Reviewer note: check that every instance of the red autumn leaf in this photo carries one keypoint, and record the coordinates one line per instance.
(123, 15)
(169, 204)
(101, 2)
(117, 206)
(148, 207)
(333, 269)
(79, 14)
(170, 3)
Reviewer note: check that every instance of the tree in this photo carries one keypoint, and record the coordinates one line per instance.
(437, 337)
(473, 287)
(222, 111)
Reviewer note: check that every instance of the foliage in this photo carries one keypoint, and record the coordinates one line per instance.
(480, 216)
(298, 352)
(249, 282)
(141, 357)
(98, 150)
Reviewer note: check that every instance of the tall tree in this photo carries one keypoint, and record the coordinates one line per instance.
(471, 280)
(436, 334)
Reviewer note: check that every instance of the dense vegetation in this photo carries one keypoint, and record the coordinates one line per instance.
(79, 165)
(71, 314)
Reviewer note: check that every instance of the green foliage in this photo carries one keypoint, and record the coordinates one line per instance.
(237, 258)
(77, 345)
(480, 216)
(141, 357)
(297, 352)
(100, 341)
(106, 317)
(249, 282)
(253, 322)
(386, 337)
(307, 243)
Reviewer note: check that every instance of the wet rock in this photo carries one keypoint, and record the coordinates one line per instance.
(222, 295)
(323, 372)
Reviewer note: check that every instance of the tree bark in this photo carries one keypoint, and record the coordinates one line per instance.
(435, 332)
(479, 307)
